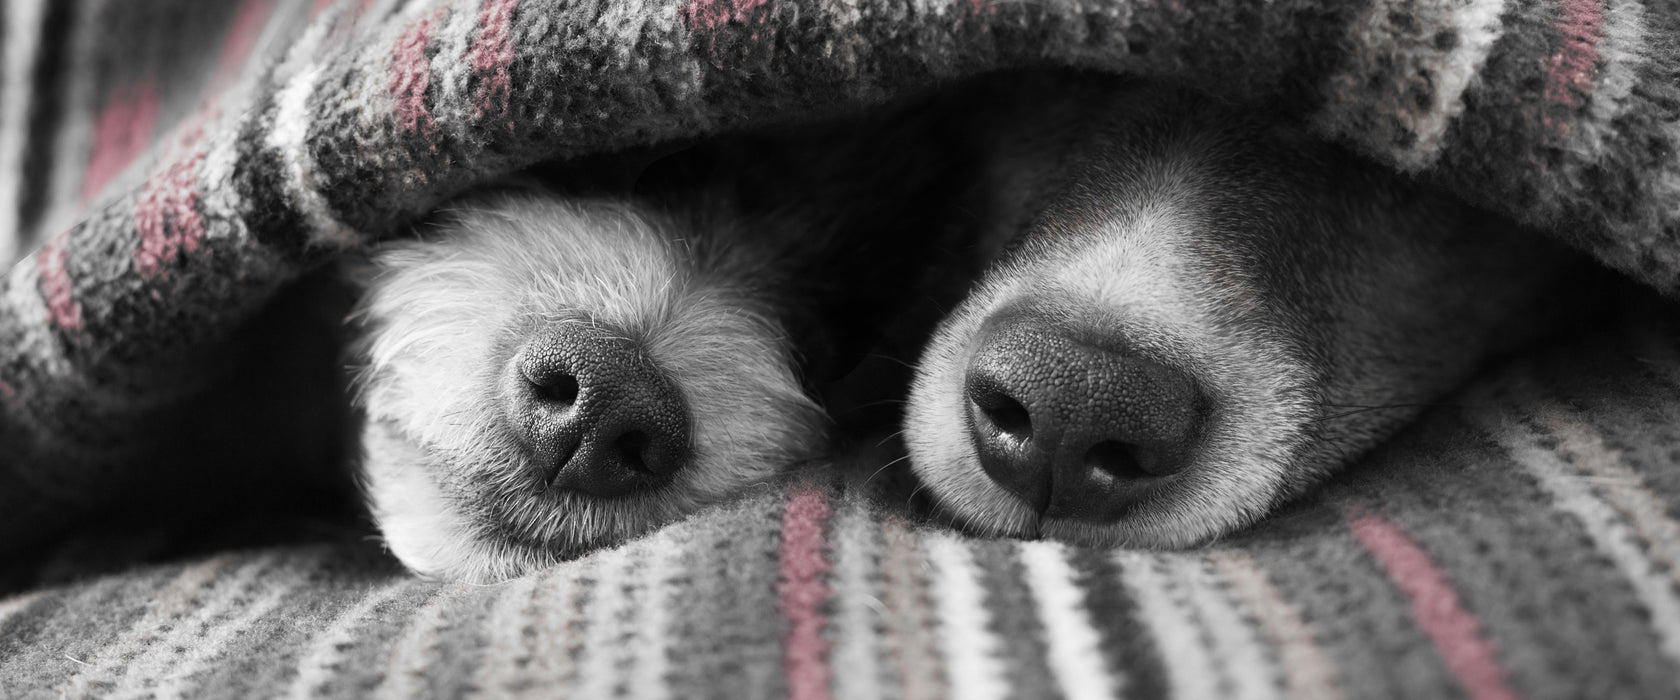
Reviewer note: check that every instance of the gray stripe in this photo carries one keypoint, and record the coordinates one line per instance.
(1625, 387)
(912, 628)
(1362, 619)
(460, 646)
(265, 660)
(860, 669)
(726, 635)
(1015, 620)
(1602, 639)
(1126, 644)
(45, 645)
(362, 663)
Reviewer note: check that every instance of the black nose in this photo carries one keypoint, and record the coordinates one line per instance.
(595, 412)
(1077, 431)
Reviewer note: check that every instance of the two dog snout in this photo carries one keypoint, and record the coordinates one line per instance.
(596, 413)
(1077, 429)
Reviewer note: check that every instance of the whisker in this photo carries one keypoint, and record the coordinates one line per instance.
(883, 468)
(895, 360)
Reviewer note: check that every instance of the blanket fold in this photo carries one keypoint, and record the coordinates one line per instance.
(167, 169)
(317, 128)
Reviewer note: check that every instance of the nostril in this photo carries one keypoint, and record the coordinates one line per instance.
(1005, 414)
(632, 448)
(595, 413)
(559, 389)
(1079, 426)
(1115, 458)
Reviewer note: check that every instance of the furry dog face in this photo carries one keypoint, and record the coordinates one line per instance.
(545, 376)
(1188, 314)
(1203, 316)
(548, 373)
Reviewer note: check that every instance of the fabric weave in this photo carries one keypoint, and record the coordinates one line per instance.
(166, 168)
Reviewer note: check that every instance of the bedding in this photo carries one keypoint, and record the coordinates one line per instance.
(169, 169)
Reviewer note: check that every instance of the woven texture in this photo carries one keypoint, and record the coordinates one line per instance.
(166, 168)
(1518, 542)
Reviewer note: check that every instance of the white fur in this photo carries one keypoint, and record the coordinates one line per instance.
(444, 314)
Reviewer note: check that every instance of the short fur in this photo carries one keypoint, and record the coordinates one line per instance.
(1318, 302)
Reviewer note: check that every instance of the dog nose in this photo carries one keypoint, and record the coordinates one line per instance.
(596, 412)
(1077, 431)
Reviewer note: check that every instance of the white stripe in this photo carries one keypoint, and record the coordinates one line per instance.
(1308, 673)
(516, 661)
(289, 138)
(1623, 487)
(1570, 493)
(56, 645)
(182, 631)
(1622, 53)
(640, 22)
(1073, 644)
(972, 665)
(858, 607)
(452, 106)
(23, 299)
(206, 622)
(176, 598)
(1190, 671)
(609, 621)
(210, 640)
(1234, 642)
(556, 603)
(320, 662)
(415, 651)
(23, 32)
(1399, 53)
(221, 141)
(504, 632)
(662, 554)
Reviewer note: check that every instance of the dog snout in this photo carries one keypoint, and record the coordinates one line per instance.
(596, 414)
(1077, 430)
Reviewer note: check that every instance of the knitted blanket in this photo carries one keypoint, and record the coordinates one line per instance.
(167, 169)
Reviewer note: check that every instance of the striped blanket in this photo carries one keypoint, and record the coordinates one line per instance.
(168, 168)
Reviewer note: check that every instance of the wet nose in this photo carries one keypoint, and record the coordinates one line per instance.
(1077, 431)
(594, 411)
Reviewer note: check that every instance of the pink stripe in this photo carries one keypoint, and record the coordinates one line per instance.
(315, 9)
(166, 215)
(710, 15)
(122, 132)
(411, 74)
(803, 592)
(1456, 633)
(490, 56)
(1569, 71)
(241, 37)
(62, 308)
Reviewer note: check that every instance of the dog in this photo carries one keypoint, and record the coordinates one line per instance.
(1195, 311)
(1166, 315)
(569, 360)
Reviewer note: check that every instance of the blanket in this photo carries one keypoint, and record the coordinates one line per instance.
(168, 169)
